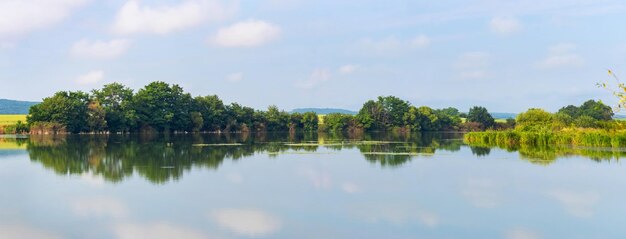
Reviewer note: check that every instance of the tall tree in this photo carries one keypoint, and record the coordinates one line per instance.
(213, 111)
(116, 99)
(480, 115)
(67, 108)
(163, 107)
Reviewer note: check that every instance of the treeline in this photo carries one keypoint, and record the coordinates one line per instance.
(160, 107)
(392, 113)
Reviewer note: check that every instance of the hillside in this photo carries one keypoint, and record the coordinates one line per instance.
(15, 107)
(323, 111)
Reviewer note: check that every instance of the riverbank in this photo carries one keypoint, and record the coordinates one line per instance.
(573, 137)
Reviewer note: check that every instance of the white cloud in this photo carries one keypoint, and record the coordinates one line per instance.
(23, 16)
(247, 222)
(473, 65)
(134, 18)
(161, 230)
(348, 69)
(505, 26)
(391, 45)
(562, 56)
(99, 207)
(482, 193)
(235, 77)
(521, 234)
(421, 41)
(576, 203)
(25, 232)
(250, 33)
(317, 77)
(100, 49)
(90, 78)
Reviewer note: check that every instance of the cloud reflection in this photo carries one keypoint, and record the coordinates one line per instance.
(99, 207)
(17, 231)
(576, 203)
(350, 187)
(521, 234)
(482, 193)
(160, 230)
(320, 180)
(396, 214)
(248, 222)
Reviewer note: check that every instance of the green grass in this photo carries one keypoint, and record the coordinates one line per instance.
(11, 119)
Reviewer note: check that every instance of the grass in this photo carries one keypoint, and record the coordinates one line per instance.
(11, 119)
(578, 137)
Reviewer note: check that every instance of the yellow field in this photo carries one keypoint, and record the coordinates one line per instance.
(11, 119)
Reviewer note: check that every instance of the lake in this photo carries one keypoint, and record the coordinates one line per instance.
(305, 186)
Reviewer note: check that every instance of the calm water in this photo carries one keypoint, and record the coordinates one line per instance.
(314, 186)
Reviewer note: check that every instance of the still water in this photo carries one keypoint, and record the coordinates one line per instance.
(305, 186)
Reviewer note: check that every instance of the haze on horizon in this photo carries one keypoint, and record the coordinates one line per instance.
(505, 55)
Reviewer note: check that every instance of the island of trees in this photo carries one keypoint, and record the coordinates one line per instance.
(161, 107)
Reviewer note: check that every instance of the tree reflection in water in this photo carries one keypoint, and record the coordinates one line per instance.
(163, 158)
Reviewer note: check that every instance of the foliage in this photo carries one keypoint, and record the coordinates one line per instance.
(480, 115)
(534, 120)
(116, 99)
(163, 107)
(591, 108)
(67, 108)
(339, 122)
(310, 121)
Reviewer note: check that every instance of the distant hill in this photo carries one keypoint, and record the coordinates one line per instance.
(497, 115)
(323, 111)
(15, 107)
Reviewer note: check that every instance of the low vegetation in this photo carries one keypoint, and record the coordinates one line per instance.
(590, 124)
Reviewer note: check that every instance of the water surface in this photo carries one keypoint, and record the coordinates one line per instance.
(305, 186)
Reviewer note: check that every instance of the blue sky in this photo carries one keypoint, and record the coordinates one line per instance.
(505, 55)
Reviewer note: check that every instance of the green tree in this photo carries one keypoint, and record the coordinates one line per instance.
(163, 107)
(338, 122)
(534, 120)
(212, 110)
(386, 112)
(116, 99)
(310, 121)
(277, 120)
(96, 117)
(591, 108)
(69, 109)
(479, 114)
(596, 110)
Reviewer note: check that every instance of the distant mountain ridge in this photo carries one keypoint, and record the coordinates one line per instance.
(501, 115)
(324, 111)
(15, 107)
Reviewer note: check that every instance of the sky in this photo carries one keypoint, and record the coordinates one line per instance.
(505, 55)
